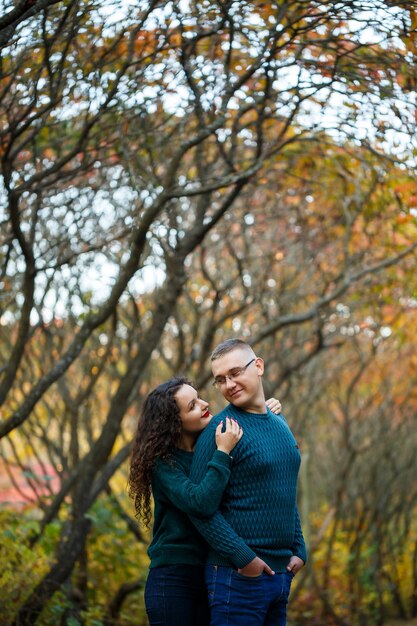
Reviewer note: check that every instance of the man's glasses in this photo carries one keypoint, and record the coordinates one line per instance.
(232, 375)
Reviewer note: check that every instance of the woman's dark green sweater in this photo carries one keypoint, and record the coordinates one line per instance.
(175, 539)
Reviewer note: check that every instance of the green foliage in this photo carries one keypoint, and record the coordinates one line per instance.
(114, 557)
(17, 558)
(356, 584)
(114, 554)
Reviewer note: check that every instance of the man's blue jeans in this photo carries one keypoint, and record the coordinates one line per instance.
(176, 595)
(237, 600)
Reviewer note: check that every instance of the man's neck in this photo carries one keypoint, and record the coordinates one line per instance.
(257, 406)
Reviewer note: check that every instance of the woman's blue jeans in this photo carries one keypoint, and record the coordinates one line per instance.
(237, 600)
(176, 595)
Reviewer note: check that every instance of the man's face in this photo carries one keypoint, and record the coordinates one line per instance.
(238, 375)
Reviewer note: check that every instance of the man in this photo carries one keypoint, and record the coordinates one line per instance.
(256, 541)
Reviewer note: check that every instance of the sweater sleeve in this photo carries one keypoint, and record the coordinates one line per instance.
(221, 536)
(215, 529)
(298, 548)
(199, 500)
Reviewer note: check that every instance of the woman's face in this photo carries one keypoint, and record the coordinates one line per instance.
(194, 413)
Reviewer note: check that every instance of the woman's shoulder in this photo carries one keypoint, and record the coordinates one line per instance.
(177, 460)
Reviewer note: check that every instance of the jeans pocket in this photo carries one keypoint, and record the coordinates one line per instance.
(243, 577)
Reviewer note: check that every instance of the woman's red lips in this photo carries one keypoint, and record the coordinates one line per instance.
(206, 414)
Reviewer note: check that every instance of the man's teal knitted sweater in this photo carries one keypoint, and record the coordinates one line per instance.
(258, 514)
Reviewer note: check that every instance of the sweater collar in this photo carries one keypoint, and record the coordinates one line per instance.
(246, 414)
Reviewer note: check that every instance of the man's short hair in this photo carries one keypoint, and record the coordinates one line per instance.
(228, 345)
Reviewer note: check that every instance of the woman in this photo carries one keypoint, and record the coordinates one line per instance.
(172, 418)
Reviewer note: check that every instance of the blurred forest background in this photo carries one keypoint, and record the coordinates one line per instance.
(173, 174)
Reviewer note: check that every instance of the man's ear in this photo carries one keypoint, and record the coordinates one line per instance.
(260, 365)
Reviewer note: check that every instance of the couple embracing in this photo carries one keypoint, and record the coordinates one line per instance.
(227, 537)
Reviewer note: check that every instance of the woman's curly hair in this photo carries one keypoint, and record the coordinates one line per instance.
(158, 433)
